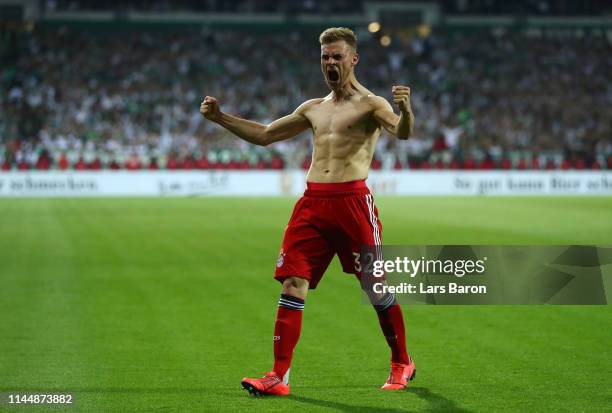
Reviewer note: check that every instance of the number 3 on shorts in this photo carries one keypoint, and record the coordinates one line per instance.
(357, 262)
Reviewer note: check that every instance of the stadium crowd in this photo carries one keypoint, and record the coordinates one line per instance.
(130, 99)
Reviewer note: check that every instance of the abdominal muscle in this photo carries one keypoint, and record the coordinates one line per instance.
(341, 159)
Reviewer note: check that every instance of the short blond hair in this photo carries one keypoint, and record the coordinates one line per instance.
(334, 34)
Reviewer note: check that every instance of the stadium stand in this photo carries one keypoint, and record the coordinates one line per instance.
(129, 99)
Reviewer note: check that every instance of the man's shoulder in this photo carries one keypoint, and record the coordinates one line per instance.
(376, 102)
(309, 104)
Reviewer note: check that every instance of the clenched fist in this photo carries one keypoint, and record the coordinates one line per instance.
(209, 108)
(401, 97)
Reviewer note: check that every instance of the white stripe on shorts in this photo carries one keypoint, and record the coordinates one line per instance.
(374, 222)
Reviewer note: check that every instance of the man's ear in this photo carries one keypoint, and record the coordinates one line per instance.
(355, 59)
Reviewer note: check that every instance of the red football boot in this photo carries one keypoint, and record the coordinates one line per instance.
(270, 384)
(399, 376)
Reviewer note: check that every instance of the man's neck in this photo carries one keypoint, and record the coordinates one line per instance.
(347, 90)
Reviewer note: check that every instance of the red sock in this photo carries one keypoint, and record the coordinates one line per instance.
(286, 333)
(392, 324)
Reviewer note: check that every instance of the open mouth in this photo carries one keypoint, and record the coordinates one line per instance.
(333, 75)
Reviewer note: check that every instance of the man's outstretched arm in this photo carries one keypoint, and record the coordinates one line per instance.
(401, 126)
(255, 132)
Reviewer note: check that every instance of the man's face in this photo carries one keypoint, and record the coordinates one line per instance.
(337, 62)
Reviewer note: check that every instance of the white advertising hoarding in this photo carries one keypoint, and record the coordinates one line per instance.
(276, 183)
(492, 183)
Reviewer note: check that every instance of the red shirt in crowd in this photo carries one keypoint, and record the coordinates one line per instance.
(133, 163)
(63, 163)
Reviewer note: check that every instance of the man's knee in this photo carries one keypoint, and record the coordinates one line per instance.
(296, 287)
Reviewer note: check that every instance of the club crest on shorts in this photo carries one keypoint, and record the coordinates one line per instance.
(281, 259)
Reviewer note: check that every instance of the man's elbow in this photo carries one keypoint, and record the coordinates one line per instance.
(264, 138)
(404, 135)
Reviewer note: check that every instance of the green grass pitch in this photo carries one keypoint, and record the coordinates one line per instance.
(163, 305)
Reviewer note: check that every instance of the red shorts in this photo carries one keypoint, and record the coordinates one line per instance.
(331, 218)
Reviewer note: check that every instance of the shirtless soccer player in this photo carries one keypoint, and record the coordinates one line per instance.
(337, 214)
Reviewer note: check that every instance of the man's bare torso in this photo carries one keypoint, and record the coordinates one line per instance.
(344, 137)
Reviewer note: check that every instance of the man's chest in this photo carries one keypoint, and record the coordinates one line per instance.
(346, 118)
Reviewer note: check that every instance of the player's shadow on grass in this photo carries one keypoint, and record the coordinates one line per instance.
(437, 403)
